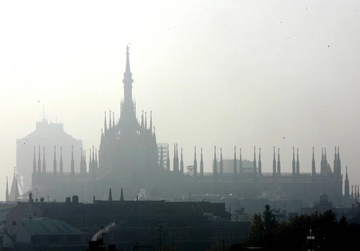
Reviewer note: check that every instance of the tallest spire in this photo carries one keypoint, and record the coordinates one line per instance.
(127, 68)
(127, 106)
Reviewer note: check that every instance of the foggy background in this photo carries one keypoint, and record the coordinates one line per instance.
(213, 73)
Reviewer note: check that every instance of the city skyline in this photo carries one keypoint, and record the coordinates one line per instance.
(282, 76)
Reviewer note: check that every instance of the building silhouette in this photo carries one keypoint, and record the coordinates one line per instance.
(129, 157)
(35, 152)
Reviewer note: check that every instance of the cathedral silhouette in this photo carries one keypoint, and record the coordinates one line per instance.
(129, 158)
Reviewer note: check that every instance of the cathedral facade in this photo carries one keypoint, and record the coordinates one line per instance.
(129, 158)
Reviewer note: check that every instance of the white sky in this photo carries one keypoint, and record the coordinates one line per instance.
(213, 73)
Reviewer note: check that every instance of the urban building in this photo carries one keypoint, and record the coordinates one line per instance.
(125, 224)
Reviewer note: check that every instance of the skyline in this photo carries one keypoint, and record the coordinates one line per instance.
(213, 74)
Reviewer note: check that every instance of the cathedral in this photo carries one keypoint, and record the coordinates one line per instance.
(129, 158)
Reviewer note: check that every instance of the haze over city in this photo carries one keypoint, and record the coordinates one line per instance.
(221, 74)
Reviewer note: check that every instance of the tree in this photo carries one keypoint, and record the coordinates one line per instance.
(261, 228)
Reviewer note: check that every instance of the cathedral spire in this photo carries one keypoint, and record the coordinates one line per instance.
(161, 158)
(221, 163)
(54, 163)
(128, 103)
(195, 162)
(254, 163)
(274, 163)
(142, 119)
(240, 163)
(297, 161)
(110, 119)
(113, 119)
(145, 120)
(181, 162)
(127, 67)
(259, 163)
(235, 162)
(201, 163)
(347, 192)
(44, 162)
(110, 195)
(313, 171)
(61, 161)
(7, 190)
(150, 121)
(39, 162)
(215, 162)
(72, 160)
(279, 163)
(105, 127)
(293, 161)
(34, 162)
(122, 195)
(168, 159)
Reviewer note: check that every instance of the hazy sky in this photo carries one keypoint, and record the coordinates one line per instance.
(213, 73)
